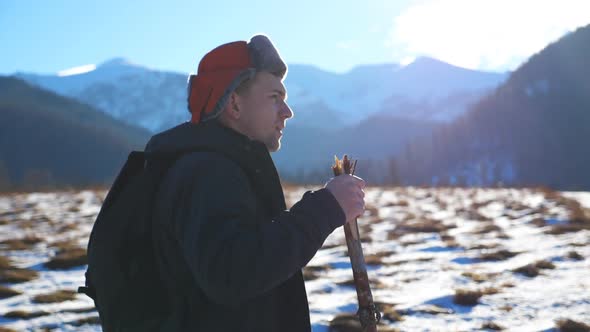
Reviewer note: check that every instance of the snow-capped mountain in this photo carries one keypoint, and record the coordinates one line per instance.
(137, 95)
(426, 89)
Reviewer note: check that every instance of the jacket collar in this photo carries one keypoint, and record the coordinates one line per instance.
(252, 156)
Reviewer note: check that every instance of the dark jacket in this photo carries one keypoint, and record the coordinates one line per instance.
(228, 251)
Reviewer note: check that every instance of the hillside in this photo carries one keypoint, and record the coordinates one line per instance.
(533, 130)
(48, 140)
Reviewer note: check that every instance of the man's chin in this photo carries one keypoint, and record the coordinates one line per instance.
(274, 146)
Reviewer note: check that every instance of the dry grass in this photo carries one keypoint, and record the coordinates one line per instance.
(410, 242)
(64, 245)
(539, 222)
(472, 214)
(21, 314)
(422, 259)
(17, 275)
(567, 228)
(309, 274)
(55, 297)
(374, 259)
(5, 263)
(92, 320)
(545, 264)
(6, 292)
(449, 240)
(579, 218)
(68, 259)
(569, 325)
(312, 272)
(491, 326)
(401, 202)
(74, 208)
(78, 310)
(419, 226)
(484, 246)
(477, 277)
(349, 322)
(490, 291)
(377, 284)
(532, 270)
(487, 228)
(12, 212)
(345, 323)
(575, 256)
(549, 193)
(529, 270)
(467, 297)
(64, 229)
(499, 255)
(346, 283)
(388, 312)
(506, 308)
(371, 210)
(517, 206)
(26, 243)
(446, 237)
(477, 205)
(452, 244)
(373, 283)
(6, 329)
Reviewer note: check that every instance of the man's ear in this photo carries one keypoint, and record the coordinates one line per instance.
(232, 108)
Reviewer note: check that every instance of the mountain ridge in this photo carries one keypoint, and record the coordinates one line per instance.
(52, 141)
(532, 130)
(156, 100)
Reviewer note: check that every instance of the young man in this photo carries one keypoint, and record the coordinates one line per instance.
(228, 251)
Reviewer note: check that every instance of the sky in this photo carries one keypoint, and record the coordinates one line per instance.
(39, 36)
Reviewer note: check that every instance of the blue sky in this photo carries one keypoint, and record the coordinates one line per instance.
(50, 36)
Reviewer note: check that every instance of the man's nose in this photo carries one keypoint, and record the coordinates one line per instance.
(286, 111)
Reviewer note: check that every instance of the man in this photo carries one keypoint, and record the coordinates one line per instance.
(229, 253)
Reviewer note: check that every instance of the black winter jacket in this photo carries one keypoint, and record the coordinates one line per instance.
(228, 251)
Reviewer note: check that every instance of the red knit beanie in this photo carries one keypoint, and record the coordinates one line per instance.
(223, 69)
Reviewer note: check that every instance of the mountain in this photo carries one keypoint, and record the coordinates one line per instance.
(47, 140)
(383, 105)
(427, 89)
(151, 99)
(533, 130)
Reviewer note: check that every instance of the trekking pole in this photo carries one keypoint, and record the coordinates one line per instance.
(367, 312)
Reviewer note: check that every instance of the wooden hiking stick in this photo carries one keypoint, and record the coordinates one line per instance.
(367, 313)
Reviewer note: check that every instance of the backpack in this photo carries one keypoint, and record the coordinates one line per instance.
(122, 276)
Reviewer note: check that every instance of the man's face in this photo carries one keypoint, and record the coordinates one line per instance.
(264, 110)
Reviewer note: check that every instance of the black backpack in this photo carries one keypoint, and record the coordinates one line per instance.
(122, 276)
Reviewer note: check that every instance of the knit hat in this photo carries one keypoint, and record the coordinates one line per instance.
(223, 69)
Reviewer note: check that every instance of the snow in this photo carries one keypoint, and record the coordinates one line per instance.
(418, 273)
(76, 70)
(582, 197)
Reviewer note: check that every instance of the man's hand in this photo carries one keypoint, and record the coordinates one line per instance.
(348, 191)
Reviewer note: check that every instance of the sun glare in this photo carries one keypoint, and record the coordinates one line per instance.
(481, 34)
